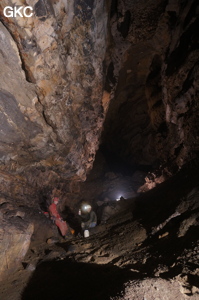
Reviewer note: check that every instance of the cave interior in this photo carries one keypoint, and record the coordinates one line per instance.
(99, 105)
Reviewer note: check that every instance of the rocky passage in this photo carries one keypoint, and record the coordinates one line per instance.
(80, 79)
(123, 258)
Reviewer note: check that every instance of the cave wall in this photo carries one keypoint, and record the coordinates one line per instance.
(153, 73)
(54, 96)
(180, 86)
(52, 106)
(51, 91)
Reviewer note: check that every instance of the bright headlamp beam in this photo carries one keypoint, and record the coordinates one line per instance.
(118, 198)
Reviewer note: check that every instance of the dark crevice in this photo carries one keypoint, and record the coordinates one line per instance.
(163, 129)
(189, 80)
(191, 14)
(172, 19)
(124, 26)
(178, 149)
(113, 9)
(189, 42)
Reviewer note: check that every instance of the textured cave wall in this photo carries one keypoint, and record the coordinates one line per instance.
(52, 106)
(51, 91)
(53, 95)
(153, 73)
(180, 86)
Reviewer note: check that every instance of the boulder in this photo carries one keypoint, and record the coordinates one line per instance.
(15, 236)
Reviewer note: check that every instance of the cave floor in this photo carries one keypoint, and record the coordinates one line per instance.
(140, 253)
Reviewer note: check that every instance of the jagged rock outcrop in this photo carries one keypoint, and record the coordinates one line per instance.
(151, 248)
(51, 86)
(15, 236)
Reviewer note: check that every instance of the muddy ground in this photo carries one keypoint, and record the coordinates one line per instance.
(148, 251)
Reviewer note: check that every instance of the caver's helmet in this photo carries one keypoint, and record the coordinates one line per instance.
(56, 200)
(85, 208)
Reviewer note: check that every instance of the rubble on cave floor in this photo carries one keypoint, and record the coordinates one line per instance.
(124, 258)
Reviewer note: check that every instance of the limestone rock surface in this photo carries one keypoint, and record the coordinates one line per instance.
(52, 105)
(51, 88)
(15, 237)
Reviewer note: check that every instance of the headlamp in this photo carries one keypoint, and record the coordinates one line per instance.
(86, 207)
(118, 198)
